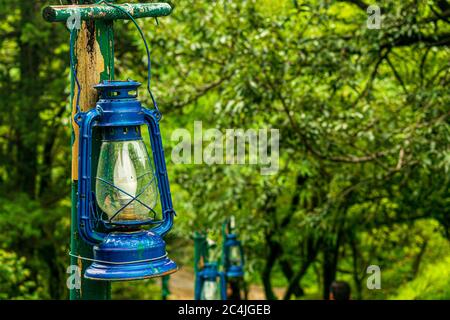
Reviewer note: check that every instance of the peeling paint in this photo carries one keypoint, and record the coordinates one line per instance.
(80, 267)
(104, 12)
(90, 66)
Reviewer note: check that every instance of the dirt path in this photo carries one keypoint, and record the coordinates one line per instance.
(182, 287)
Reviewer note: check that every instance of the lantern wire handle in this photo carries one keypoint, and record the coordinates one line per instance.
(149, 64)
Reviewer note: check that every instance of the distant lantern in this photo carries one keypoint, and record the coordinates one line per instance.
(233, 262)
(211, 284)
(234, 257)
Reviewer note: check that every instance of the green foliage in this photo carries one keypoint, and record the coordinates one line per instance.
(137, 290)
(15, 282)
(363, 119)
(362, 115)
(39, 237)
(433, 284)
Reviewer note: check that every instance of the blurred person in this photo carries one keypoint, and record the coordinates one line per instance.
(340, 290)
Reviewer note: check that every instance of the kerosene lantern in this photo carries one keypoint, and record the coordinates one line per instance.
(210, 283)
(233, 262)
(233, 253)
(118, 216)
(234, 257)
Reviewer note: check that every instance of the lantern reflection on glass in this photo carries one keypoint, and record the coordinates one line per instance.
(124, 164)
(210, 290)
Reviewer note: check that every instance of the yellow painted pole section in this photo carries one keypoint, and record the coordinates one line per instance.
(91, 65)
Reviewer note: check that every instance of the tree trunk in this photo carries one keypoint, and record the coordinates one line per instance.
(330, 260)
(47, 160)
(294, 283)
(285, 265)
(357, 279)
(418, 259)
(311, 251)
(29, 123)
(274, 253)
(288, 272)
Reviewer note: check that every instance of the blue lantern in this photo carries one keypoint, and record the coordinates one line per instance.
(118, 218)
(234, 257)
(210, 283)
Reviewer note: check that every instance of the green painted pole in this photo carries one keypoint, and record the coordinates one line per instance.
(94, 58)
(200, 250)
(104, 12)
(165, 290)
(200, 253)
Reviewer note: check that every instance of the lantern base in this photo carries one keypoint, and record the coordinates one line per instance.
(126, 256)
(235, 272)
(138, 271)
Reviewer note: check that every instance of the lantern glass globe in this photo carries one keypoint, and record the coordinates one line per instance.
(123, 174)
(235, 256)
(210, 290)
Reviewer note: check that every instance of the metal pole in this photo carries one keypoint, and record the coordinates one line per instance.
(94, 56)
(200, 255)
(104, 12)
(165, 290)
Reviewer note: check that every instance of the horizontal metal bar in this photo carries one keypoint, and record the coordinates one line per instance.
(105, 12)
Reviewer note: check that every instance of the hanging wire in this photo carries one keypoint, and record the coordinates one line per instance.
(74, 71)
(149, 63)
(116, 263)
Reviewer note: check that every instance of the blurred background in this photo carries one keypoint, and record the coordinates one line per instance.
(364, 143)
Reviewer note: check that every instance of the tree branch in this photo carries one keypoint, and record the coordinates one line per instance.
(361, 4)
(397, 75)
(199, 93)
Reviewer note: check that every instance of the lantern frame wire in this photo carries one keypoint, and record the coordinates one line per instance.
(133, 199)
(74, 71)
(87, 122)
(119, 255)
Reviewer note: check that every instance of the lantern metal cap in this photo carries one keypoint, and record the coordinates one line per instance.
(210, 271)
(211, 265)
(117, 84)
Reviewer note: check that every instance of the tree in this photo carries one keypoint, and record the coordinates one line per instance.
(362, 115)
